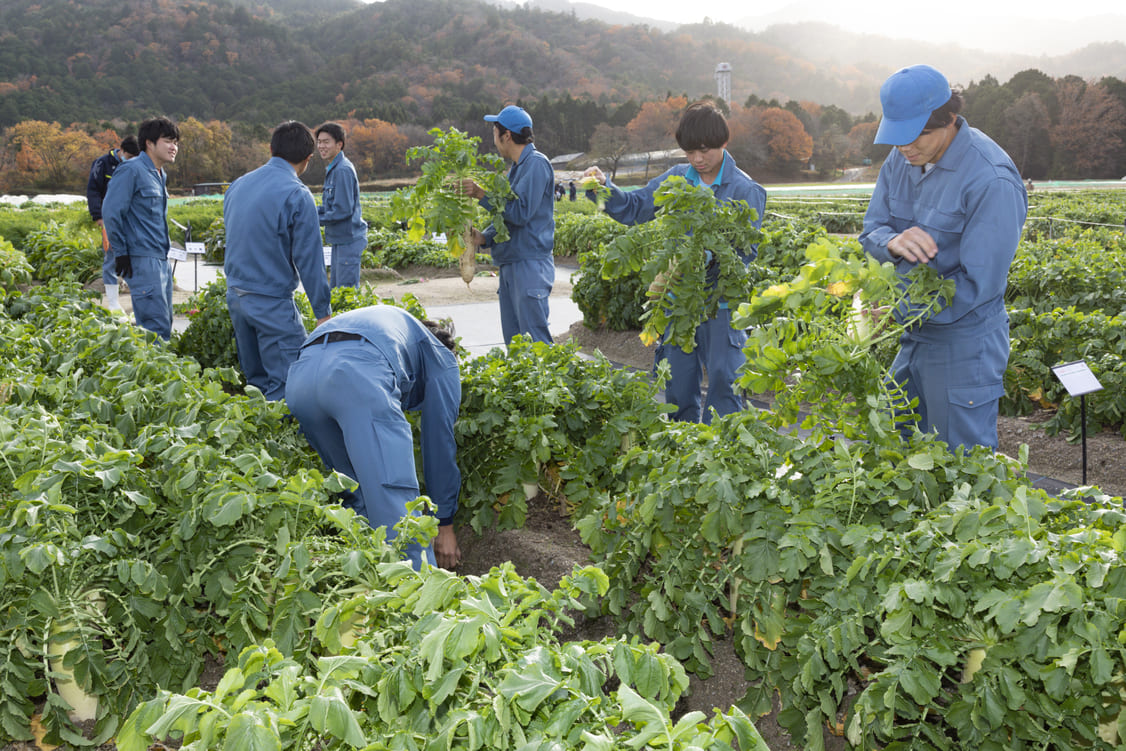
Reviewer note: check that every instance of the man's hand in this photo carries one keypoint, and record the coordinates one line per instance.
(323, 320)
(478, 237)
(469, 188)
(446, 550)
(123, 266)
(913, 244)
(592, 173)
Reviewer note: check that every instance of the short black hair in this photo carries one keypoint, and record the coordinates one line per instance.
(154, 129)
(292, 141)
(525, 135)
(442, 333)
(130, 146)
(946, 114)
(335, 131)
(702, 126)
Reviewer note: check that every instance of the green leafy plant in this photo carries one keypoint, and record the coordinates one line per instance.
(812, 339)
(538, 415)
(696, 255)
(64, 253)
(434, 204)
(14, 268)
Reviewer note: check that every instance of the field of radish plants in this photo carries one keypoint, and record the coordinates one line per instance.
(886, 593)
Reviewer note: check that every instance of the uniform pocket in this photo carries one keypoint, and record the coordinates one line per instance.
(971, 397)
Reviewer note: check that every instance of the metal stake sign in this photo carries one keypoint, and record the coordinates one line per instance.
(1079, 381)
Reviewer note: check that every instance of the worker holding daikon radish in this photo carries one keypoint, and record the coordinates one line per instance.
(703, 134)
(950, 197)
(526, 259)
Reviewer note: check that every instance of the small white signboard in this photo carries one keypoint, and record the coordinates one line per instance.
(1077, 378)
(328, 255)
(194, 248)
(177, 254)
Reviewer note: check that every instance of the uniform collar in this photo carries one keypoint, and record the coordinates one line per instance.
(694, 177)
(957, 148)
(335, 161)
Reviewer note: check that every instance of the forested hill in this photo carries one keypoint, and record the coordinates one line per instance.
(404, 61)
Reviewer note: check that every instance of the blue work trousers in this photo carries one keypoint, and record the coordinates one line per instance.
(958, 378)
(719, 348)
(524, 289)
(150, 289)
(346, 263)
(346, 398)
(268, 335)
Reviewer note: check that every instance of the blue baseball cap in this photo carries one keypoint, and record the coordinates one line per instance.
(512, 117)
(908, 98)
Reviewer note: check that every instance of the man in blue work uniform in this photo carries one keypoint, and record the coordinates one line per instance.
(345, 228)
(526, 259)
(273, 236)
(135, 212)
(356, 376)
(950, 197)
(703, 135)
(96, 186)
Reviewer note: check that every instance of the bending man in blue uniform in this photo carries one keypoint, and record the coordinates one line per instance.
(345, 228)
(703, 134)
(272, 237)
(950, 197)
(356, 376)
(135, 212)
(96, 186)
(526, 259)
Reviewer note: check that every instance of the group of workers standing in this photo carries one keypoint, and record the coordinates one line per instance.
(946, 196)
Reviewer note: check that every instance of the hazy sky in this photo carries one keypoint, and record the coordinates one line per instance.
(907, 19)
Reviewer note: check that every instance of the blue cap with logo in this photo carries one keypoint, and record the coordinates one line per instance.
(512, 117)
(908, 98)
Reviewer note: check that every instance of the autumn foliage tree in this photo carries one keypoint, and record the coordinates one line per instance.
(205, 153)
(47, 156)
(1084, 141)
(770, 137)
(376, 147)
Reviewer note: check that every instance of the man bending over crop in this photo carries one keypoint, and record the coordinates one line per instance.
(356, 376)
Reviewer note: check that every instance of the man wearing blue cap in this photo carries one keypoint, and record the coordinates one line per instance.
(526, 259)
(950, 197)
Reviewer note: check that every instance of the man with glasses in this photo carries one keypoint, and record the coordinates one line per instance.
(950, 197)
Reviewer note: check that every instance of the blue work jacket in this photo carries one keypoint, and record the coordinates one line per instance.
(98, 183)
(339, 211)
(273, 235)
(731, 184)
(135, 209)
(429, 382)
(973, 203)
(530, 216)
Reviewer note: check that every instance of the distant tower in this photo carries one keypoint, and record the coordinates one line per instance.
(723, 81)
